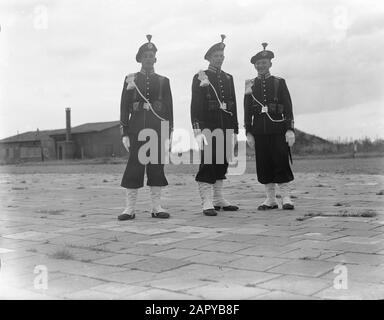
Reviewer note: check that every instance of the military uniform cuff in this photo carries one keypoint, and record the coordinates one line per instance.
(123, 130)
(291, 125)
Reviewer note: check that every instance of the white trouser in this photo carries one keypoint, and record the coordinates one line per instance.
(218, 199)
(285, 193)
(205, 190)
(130, 200)
(156, 199)
(271, 194)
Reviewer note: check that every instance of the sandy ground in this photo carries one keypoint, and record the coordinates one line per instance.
(59, 221)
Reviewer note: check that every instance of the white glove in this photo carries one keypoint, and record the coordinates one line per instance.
(126, 142)
(290, 137)
(200, 138)
(250, 140)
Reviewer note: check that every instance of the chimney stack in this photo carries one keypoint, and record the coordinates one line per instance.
(68, 123)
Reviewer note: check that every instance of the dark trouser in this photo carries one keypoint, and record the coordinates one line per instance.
(272, 159)
(134, 172)
(215, 167)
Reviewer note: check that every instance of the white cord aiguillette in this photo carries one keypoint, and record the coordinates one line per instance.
(266, 112)
(221, 103)
(146, 100)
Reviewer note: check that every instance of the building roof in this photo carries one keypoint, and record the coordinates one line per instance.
(28, 136)
(45, 134)
(87, 127)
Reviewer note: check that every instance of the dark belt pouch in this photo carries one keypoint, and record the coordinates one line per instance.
(157, 105)
(275, 108)
(231, 106)
(136, 106)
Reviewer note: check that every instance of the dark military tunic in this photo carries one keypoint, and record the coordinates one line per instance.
(272, 151)
(206, 114)
(134, 118)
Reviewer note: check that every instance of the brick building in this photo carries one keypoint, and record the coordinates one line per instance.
(86, 141)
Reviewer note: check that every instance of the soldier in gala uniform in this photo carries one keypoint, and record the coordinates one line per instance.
(213, 107)
(268, 119)
(146, 103)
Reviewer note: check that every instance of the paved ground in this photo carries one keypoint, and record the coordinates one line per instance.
(64, 225)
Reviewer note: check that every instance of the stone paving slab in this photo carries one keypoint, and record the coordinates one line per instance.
(177, 253)
(359, 258)
(159, 241)
(147, 249)
(130, 276)
(120, 289)
(309, 253)
(219, 258)
(195, 270)
(177, 283)
(304, 268)
(256, 263)
(248, 254)
(11, 293)
(119, 259)
(225, 246)
(265, 251)
(355, 291)
(282, 295)
(89, 294)
(68, 284)
(157, 264)
(297, 285)
(248, 278)
(226, 292)
(158, 294)
(361, 273)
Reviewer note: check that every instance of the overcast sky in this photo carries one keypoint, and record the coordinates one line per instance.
(57, 54)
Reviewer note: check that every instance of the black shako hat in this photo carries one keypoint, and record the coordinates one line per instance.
(265, 54)
(215, 47)
(149, 46)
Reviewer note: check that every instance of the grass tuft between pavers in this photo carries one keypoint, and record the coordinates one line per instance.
(62, 254)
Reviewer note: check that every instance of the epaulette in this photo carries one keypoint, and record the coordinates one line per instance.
(278, 78)
(197, 73)
(126, 77)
